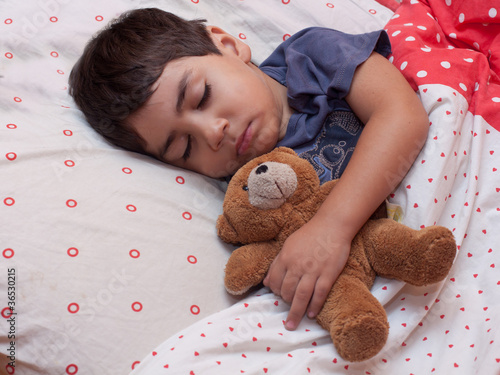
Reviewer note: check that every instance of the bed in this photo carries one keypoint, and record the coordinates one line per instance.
(110, 263)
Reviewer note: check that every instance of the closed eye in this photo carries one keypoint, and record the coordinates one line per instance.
(206, 95)
(187, 152)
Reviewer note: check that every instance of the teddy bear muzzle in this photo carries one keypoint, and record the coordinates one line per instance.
(270, 184)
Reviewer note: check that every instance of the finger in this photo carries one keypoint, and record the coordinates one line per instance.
(289, 286)
(320, 294)
(274, 278)
(300, 302)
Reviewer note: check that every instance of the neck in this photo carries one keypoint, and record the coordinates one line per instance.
(281, 99)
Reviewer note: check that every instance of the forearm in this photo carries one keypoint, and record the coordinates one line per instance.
(396, 127)
(377, 166)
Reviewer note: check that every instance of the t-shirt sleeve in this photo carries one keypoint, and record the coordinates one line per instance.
(318, 62)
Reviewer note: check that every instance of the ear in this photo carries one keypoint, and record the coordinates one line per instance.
(227, 43)
(285, 150)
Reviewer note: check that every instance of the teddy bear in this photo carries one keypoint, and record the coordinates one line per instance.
(275, 194)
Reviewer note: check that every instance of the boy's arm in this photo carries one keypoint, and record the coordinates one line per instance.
(396, 127)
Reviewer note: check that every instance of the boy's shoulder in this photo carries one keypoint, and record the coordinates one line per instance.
(313, 32)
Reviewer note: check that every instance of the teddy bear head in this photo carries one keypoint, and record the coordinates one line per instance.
(262, 193)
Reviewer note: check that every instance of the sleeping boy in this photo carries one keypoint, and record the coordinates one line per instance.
(189, 95)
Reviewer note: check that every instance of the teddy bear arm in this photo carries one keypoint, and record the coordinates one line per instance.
(356, 320)
(248, 265)
(419, 257)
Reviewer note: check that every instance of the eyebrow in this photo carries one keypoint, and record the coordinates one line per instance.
(183, 84)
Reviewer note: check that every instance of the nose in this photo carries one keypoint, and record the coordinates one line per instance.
(262, 169)
(215, 131)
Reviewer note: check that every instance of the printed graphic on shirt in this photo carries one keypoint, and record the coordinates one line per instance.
(330, 152)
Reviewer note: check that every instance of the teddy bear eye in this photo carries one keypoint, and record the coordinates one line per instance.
(245, 188)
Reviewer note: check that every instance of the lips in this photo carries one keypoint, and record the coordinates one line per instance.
(244, 141)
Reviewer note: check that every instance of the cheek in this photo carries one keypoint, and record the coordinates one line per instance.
(266, 140)
(217, 166)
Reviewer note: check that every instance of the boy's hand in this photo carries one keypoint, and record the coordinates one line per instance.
(306, 268)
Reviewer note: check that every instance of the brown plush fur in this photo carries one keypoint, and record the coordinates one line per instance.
(275, 194)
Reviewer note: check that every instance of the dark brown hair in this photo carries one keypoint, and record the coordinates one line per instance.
(119, 66)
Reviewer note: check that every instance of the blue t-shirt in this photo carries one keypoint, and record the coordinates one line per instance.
(317, 66)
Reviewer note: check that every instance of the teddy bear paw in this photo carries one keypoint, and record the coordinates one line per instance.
(362, 339)
(436, 261)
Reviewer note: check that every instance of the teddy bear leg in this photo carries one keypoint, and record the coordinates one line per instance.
(355, 318)
(419, 257)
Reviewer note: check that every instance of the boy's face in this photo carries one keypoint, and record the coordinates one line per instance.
(211, 114)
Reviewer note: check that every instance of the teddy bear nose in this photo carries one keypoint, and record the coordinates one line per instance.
(262, 169)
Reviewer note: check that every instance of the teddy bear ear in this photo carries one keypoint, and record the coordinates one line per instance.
(285, 150)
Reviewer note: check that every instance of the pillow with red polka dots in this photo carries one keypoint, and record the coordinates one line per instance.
(105, 253)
